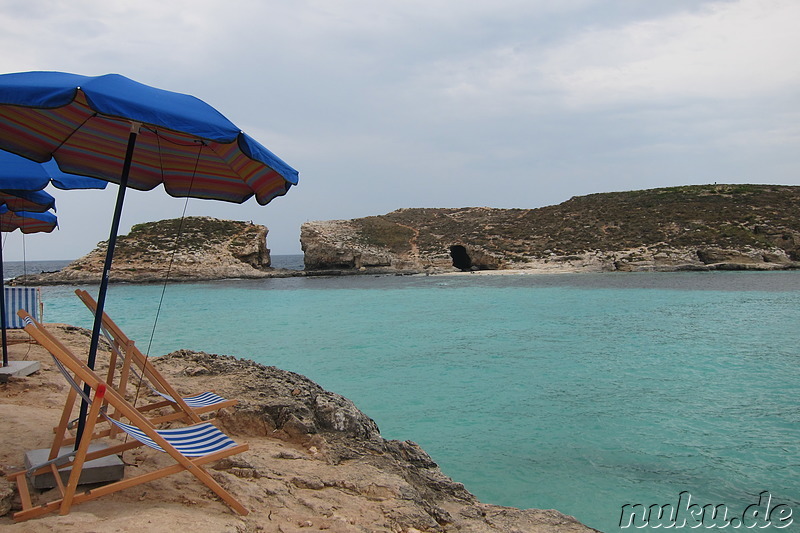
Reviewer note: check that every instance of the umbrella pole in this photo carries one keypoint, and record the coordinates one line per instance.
(101, 295)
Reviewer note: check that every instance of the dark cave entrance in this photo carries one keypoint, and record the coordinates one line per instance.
(461, 259)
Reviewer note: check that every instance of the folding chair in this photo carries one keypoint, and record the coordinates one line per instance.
(190, 447)
(16, 298)
(122, 347)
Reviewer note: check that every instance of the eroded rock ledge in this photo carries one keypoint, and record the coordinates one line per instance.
(711, 227)
(397, 477)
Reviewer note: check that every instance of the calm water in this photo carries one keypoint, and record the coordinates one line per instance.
(576, 392)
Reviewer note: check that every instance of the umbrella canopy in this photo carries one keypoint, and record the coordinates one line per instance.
(84, 123)
(21, 184)
(116, 129)
(20, 200)
(20, 173)
(26, 222)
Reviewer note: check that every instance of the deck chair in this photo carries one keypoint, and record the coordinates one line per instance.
(191, 447)
(16, 298)
(124, 350)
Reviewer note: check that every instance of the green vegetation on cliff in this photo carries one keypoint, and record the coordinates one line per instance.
(190, 234)
(725, 216)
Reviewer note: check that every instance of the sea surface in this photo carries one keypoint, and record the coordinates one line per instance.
(579, 392)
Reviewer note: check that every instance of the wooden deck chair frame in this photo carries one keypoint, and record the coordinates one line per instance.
(132, 356)
(104, 395)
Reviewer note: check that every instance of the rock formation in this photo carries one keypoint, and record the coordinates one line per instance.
(281, 404)
(711, 227)
(193, 248)
(315, 461)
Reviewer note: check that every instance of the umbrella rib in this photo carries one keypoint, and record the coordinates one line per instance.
(160, 154)
(200, 143)
(74, 130)
(158, 135)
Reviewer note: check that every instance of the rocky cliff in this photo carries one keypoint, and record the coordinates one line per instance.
(193, 248)
(710, 227)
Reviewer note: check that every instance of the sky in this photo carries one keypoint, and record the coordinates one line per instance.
(436, 103)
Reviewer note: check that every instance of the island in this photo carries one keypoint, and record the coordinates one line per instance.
(696, 227)
(187, 249)
(699, 227)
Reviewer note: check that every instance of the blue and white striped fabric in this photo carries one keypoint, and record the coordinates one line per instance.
(17, 298)
(204, 399)
(192, 441)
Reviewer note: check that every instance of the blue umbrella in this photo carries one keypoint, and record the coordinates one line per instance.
(23, 174)
(26, 222)
(21, 184)
(119, 130)
(21, 200)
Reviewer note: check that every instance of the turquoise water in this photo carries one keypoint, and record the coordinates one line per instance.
(581, 393)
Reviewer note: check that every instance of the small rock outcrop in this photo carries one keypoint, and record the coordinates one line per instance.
(189, 249)
(280, 400)
(331, 429)
(703, 227)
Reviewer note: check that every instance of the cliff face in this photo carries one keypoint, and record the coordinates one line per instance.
(194, 248)
(710, 227)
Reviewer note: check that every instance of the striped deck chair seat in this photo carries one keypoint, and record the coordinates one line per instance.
(199, 401)
(194, 441)
(16, 298)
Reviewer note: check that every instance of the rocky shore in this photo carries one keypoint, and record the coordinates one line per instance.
(316, 463)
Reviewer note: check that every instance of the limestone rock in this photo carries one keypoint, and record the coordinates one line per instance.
(7, 494)
(274, 400)
(189, 249)
(396, 477)
(711, 227)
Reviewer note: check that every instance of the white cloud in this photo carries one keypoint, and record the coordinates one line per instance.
(726, 50)
(463, 102)
(719, 50)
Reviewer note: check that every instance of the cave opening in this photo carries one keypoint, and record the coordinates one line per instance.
(461, 259)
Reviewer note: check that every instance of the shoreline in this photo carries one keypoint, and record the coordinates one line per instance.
(315, 462)
(37, 280)
(590, 262)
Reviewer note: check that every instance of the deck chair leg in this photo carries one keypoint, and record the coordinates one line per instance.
(167, 471)
(112, 367)
(204, 477)
(61, 429)
(57, 478)
(22, 488)
(83, 448)
(123, 384)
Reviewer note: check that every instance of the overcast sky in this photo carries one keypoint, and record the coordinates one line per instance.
(437, 103)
